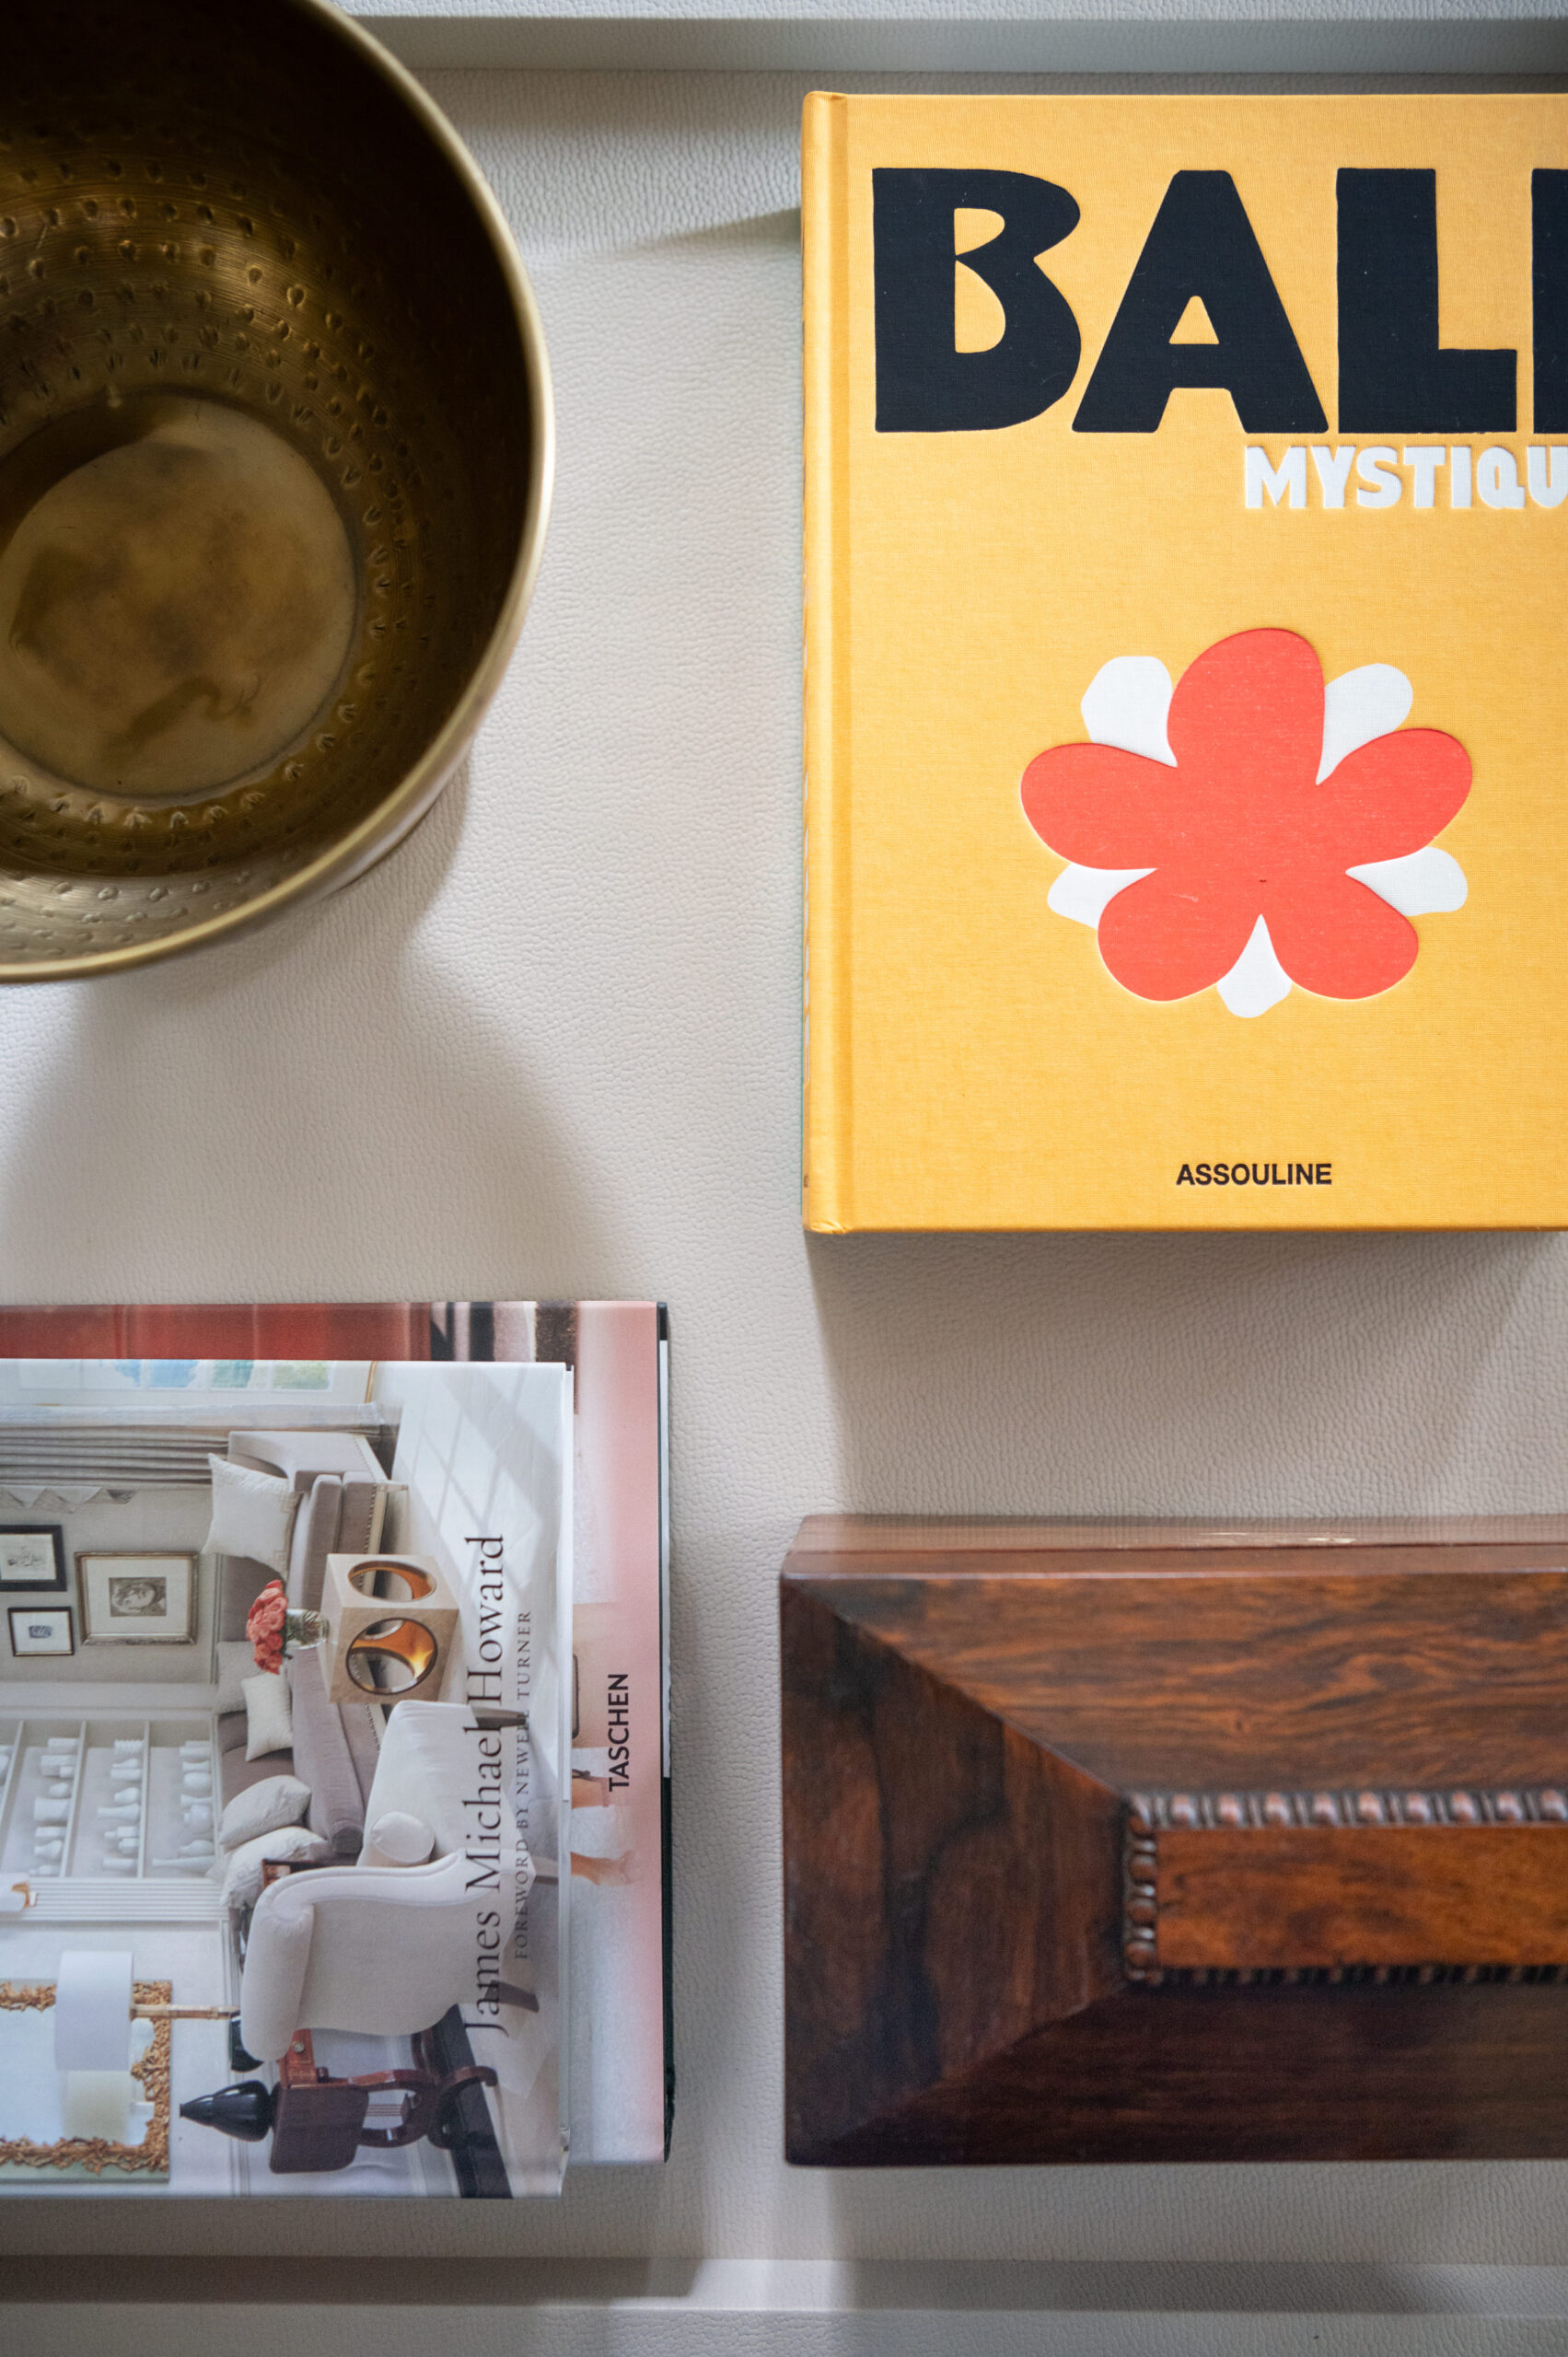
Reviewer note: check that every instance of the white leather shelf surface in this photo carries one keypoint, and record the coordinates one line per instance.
(551, 1047)
(804, 2308)
(1027, 36)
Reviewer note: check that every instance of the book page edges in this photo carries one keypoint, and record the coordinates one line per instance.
(827, 879)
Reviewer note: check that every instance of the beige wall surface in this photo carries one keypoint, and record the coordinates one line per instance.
(561, 1027)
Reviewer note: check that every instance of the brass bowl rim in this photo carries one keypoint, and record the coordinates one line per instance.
(352, 854)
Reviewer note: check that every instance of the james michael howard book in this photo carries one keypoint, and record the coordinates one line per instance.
(334, 1790)
(1186, 734)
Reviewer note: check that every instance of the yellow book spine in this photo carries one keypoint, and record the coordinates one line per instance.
(826, 1034)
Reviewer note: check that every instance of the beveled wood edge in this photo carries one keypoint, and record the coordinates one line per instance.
(869, 1547)
(1082, 1933)
(876, 1534)
(1067, 1566)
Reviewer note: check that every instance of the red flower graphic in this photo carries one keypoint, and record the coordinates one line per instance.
(1240, 828)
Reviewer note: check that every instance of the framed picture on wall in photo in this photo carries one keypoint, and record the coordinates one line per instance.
(41, 1629)
(137, 1599)
(32, 1557)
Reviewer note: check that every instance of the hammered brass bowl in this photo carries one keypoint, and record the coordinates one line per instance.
(274, 461)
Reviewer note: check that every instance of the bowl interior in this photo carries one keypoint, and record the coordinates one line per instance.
(265, 447)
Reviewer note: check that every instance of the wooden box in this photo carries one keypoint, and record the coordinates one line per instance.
(1126, 1843)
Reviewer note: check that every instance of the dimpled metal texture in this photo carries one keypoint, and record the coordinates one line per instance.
(248, 204)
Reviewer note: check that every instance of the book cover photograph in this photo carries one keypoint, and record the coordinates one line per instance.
(334, 1747)
(1185, 498)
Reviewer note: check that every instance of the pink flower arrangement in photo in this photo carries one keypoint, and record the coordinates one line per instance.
(274, 1628)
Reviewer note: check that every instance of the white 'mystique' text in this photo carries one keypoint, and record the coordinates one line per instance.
(1383, 474)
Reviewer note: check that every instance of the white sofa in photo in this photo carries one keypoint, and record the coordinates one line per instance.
(381, 1947)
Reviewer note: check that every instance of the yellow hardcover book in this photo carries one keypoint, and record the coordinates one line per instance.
(1186, 691)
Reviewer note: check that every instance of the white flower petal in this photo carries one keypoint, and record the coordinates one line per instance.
(1126, 704)
(1085, 893)
(1424, 883)
(1257, 981)
(1361, 705)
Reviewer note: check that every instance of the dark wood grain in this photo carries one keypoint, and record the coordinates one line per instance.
(948, 1886)
(1249, 2074)
(1295, 1895)
(1344, 1677)
(972, 1716)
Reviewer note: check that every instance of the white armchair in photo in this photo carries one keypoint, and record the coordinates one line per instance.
(380, 1946)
